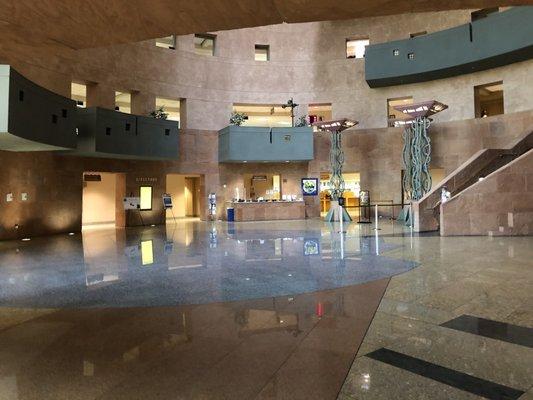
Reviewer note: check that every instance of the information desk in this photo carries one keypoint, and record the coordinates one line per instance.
(268, 210)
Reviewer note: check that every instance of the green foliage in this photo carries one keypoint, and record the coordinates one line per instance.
(159, 113)
(237, 118)
(302, 121)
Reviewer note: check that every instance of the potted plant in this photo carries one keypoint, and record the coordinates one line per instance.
(159, 113)
(237, 118)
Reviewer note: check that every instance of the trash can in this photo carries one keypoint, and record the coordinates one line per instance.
(230, 214)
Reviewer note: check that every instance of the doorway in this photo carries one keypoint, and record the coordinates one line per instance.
(101, 200)
(352, 188)
(185, 193)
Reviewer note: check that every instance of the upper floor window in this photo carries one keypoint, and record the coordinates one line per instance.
(355, 48)
(422, 33)
(78, 93)
(204, 44)
(395, 117)
(123, 102)
(319, 112)
(262, 52)
(483, 13)
(488, 99)
(266, 115)
(168, 42)
(169, 106)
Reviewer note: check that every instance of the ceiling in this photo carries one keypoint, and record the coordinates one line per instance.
(91, 23)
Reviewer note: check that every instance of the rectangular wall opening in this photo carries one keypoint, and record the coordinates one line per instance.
(99, 201)
(123, 102)
(262, 52)
(351, 192)
(170, 106)
(167, 42)
(488, 99)
(355, 48)
(78, 93)
(319, 112)
(262, 186)
(395, 117)
(416, 34)
(186, 194)
(483, 13)
(204, 44)
(265, 115)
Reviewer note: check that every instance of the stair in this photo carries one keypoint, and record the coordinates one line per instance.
(480, 165)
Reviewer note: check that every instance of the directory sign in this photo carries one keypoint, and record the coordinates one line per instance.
(131, 203)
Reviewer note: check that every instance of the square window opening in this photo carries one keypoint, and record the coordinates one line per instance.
(204, 44)
(262, 52)
(167, 42)
(489, 99)
(355, 48)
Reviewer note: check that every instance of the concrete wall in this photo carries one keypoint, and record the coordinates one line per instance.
(501, 204)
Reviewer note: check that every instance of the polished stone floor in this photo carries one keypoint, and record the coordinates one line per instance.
(210, 311)
(190, 263)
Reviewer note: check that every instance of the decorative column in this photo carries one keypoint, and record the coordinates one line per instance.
(416, 153)
(336, 158)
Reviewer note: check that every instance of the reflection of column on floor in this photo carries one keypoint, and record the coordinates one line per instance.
(120, 192)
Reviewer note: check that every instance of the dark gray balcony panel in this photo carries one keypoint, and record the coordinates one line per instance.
(108, 133)
(33, 118)
(246, 143)
(497, 40)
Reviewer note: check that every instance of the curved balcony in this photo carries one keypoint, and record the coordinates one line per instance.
(108, 133)
(33, 118)
(497, 40)
(259, 144)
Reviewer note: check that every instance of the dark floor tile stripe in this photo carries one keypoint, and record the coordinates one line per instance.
(459, 380)
(515, 334)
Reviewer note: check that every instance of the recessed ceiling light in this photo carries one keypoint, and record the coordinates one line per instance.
(26, 239)
(71, 234)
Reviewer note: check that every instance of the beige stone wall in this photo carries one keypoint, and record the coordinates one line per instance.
(54, 182)
(308, 63)
(500, 205)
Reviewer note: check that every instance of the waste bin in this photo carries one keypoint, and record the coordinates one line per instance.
(230, 214)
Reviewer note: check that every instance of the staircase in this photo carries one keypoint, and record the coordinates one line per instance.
(426, 211)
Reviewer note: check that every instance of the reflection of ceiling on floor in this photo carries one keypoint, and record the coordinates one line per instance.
(92, 23)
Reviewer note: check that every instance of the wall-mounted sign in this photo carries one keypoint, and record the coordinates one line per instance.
(145, 180)
(310, 186)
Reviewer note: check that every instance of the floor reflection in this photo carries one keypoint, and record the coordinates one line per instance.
(297, 347)
(190, 263)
